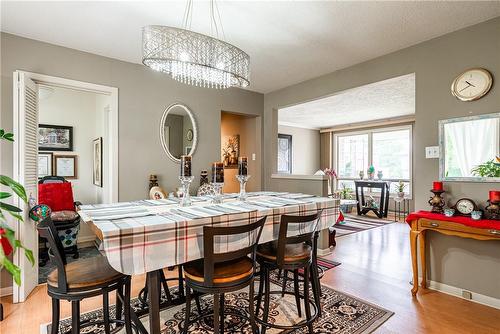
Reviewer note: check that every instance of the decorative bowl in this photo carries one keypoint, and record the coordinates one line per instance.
(476, 215)
(449, 212)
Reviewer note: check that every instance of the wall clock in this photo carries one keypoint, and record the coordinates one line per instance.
(465, 206)
(472, 84)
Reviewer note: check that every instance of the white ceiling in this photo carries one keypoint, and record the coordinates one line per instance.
(288, 41)
(380, 100)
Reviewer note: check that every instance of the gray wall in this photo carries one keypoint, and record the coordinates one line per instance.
(464, 263)
(143, 96)
(305, 149)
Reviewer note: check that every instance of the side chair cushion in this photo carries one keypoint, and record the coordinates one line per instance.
(293, 252)
(224, 272)
(58, 196)
(86, 273)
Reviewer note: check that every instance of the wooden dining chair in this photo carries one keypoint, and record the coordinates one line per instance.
(289, 253)
(82, 279)
(221, 272)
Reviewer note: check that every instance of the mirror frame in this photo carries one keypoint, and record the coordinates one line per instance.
(162, 130)
(442, 123)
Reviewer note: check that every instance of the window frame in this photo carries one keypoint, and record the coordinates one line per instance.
(290, 152)
(370, 133)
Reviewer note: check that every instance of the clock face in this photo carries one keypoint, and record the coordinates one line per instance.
(465, 206)
(472, 84)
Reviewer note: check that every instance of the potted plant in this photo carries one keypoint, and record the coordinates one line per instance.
(488, 169)
(346, 194)
(371, 172)
(9, 243)
(401, 189)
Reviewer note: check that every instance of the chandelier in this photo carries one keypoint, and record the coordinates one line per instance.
(193, 58)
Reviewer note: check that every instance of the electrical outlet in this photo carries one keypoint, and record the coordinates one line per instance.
(466, 294)
(432, 152)
(253, 156)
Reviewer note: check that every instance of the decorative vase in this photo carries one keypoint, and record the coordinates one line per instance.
(380, 175)
(371, 176)
(361, 175)
(401, 194)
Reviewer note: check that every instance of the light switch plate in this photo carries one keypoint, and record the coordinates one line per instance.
(432, 152)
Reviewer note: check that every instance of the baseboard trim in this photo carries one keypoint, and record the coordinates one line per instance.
(6, 291)
(457, 292)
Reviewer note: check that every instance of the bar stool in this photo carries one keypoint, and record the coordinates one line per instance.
(219, 273)
(84, 279)
(289, 253)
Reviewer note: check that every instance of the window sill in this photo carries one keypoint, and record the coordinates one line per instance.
(300, 177)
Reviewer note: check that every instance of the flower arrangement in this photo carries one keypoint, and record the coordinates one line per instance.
(8, 242)
(332, 178)
(330, 173)
(345, 192)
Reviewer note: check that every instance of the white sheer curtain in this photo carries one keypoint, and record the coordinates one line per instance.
(474, 142)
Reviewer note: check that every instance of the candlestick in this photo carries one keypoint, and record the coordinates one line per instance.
(242, 166)
(242, 179)
(494, 196)
(218, 172)
(492, 211)
(437, 185)
(186, 183)
(217, 198)
(436, 201)
(186, 165)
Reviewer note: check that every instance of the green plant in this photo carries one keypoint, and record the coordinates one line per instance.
(488, 169)
(401, 186)
(8, 241)
(345, 192)
(371, 170)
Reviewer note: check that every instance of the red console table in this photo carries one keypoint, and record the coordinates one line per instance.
(465, 227)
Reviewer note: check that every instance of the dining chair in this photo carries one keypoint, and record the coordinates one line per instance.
(220, 272)
(293, 251)
(82, 279)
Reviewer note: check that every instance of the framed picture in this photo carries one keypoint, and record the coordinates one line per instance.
(55, 138)
(44, 164)
(97, 162)
(65, 166)
(231, 151)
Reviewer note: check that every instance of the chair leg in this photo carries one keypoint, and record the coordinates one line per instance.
(266, 300)
(261, 290)
(316, 286)
(297, 291)
(55, 316)
(198, 304)
(105, 312)
(188, 310)
(216, 313)
(251, 308)
(306, 298)
(285, 279)
(222, 299)
(119, 304)
(128, 307)
(75, 317)
(181, 282)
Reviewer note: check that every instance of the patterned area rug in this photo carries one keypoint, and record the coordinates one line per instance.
(354, 223)
(342, 314)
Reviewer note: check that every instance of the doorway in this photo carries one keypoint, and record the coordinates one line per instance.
(28, 113)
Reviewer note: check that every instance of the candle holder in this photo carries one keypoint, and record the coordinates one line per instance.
(437, 201)
(493, 210)
(217, 198)
(186, 183)
(242, 179)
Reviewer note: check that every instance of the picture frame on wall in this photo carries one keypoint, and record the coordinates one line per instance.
(55, 137)
(97, 162)
(65, 166)
(45, 164)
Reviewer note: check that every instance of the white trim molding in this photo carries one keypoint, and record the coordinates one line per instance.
(6, 291)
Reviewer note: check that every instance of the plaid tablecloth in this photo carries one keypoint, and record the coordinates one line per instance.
(147, 235)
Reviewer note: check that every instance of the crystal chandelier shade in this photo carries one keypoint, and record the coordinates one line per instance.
(194, 58)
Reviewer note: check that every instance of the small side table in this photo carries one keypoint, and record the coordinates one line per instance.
(401, 208)
(381, 210)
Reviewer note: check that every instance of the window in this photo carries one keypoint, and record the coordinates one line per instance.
(284, 153)
(387, 149)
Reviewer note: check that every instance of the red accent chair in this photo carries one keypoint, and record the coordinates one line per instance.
(57, 194)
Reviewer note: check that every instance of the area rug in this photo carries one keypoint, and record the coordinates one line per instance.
(342, 314)
(355, 223)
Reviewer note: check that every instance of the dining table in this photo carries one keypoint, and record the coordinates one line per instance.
(144, 236)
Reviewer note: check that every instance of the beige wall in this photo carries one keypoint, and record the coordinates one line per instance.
(464, 263)
(249, 129)
(305, 149)
(143, 96)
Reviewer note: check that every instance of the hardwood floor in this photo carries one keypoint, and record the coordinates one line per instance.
(375, 267)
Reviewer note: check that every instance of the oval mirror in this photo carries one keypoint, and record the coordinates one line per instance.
(178, 132)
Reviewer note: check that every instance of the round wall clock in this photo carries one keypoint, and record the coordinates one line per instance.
(189, 135)
(472, 84)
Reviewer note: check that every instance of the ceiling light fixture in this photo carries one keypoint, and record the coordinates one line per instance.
(194, 58)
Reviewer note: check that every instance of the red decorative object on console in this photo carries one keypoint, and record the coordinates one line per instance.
(57, 196)
(437, 185)
(467, 221)
(494, 196)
